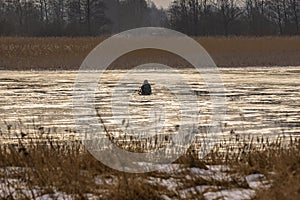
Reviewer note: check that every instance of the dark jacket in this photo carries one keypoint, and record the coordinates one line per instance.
(146, 89)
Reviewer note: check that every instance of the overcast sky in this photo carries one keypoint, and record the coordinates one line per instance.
(163, 3)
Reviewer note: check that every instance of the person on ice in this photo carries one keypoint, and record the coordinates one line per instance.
(146, 88)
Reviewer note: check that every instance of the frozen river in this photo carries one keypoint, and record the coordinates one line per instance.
(259, 101)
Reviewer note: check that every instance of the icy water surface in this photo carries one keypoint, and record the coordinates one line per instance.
(259, 101)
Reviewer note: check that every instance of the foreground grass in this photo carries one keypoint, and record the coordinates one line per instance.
(50, 166)
(68, 53)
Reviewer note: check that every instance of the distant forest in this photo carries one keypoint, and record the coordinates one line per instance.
(105, 17)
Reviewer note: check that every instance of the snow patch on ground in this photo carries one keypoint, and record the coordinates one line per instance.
(55, 196)
(175, 178)
(232, 194)
(257, 181)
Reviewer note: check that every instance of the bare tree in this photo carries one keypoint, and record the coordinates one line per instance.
(275, 10)
(230, 11)
(133, 14)
(295, 12)
(256, 18)
(185, 16)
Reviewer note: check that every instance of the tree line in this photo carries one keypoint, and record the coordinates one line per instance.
(75, 17)
(193, 17)
(235, 17)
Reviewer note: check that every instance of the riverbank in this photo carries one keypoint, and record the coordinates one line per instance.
(18, 53)
(65, 170)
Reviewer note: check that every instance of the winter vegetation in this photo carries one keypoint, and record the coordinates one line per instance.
(23, 53)
(39, 167)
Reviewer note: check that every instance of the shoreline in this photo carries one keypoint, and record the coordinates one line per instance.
(120, 69)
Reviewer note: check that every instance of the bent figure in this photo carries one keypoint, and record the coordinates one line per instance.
(146, 88)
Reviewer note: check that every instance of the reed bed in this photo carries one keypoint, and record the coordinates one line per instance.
(18, 53)
(49, 165)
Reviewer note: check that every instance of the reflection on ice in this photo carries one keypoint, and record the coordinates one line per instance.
(260, 101)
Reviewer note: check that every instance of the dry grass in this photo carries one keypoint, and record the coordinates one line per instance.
(67, 167)
(68, 53)
(285, 163)
(44, 53)
(251, 51)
